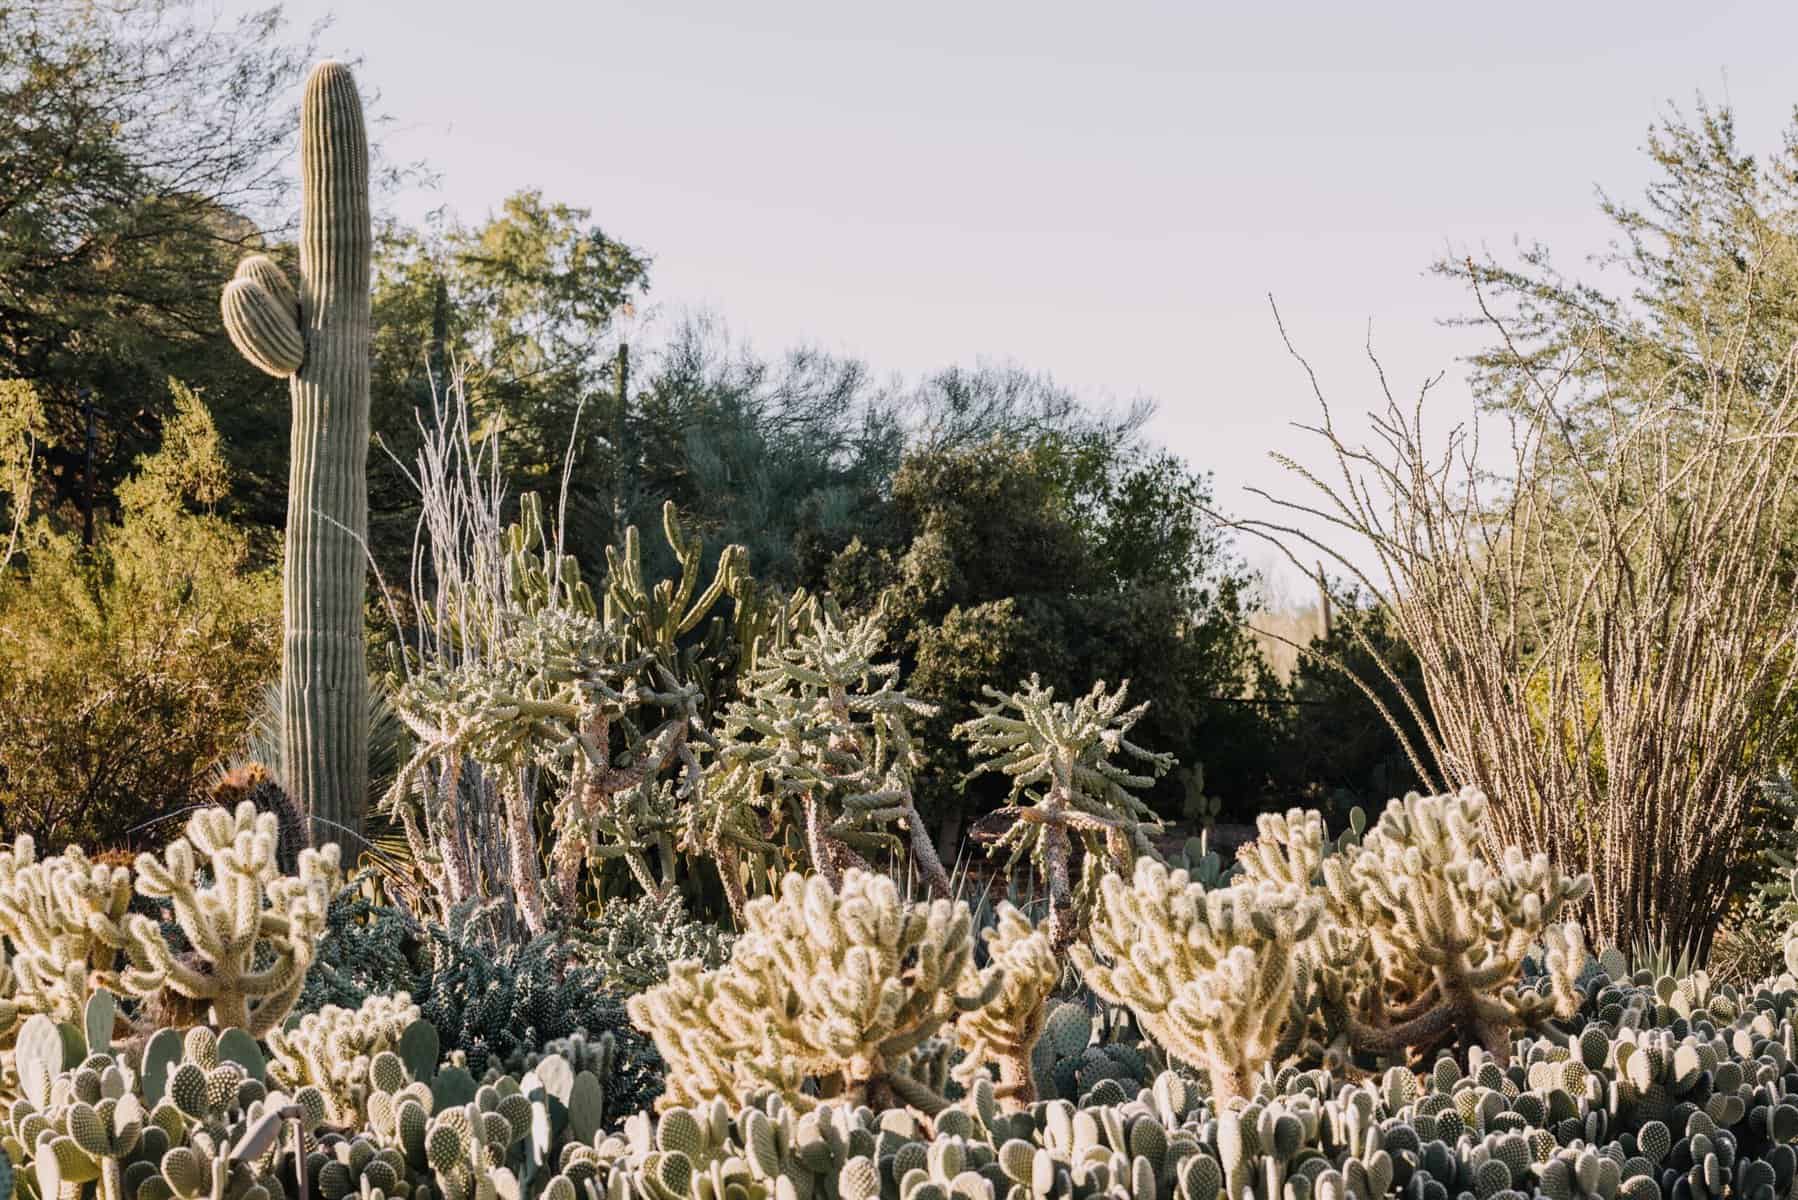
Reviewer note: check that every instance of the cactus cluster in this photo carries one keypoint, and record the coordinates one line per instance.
(822, 728)
(1380, 948)
(366, 949)
(249, 932)
(635, 942)
(351, 1105)
(553, 690)
(64, 919)
(1623, 1108)
(237, 947)
(1214, 976)
(495, 1006)
(834, 992)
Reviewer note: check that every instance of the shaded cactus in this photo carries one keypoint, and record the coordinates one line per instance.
(317, 338)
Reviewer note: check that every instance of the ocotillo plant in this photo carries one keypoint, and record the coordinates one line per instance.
(318, 340)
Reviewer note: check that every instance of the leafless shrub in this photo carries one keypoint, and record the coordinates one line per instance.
(1605, 624)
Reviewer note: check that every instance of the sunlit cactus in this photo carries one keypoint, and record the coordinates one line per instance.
(316, 337)
(1067, 786)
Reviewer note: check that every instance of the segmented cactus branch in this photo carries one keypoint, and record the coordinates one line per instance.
(1005, 1030)
(252, 931)
(65, 919)
(1212, 975)
(823, 727)
(1435, 935)
(838, 986)
(1065, 786)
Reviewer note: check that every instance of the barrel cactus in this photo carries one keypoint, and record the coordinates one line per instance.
(316, 337)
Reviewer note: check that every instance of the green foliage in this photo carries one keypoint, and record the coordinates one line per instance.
(1076, 596)
(138, 138)
(521, 307)
(130, 668)
(366, 949)
(1329, 746)
(21, 430)
(495, 1005)
(782, 457)
(1708, 247)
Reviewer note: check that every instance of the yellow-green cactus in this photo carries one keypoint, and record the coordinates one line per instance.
(1212, 975)
(834, 986)
(316, 337)
(1435, 935)
(336, 1051)
(253, 931)
(64, 919)
(1005, 1030)
(1066, 786)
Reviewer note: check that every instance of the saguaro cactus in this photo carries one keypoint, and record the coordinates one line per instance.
(317, 338)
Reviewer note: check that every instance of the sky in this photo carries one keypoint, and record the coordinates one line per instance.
(1106, 193)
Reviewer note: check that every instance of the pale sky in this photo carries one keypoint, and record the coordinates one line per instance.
(1103, 192)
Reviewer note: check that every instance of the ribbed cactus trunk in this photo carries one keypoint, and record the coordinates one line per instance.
(318, 339)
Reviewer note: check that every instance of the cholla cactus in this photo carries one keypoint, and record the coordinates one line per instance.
(1212, 975)
(1436, 937)
(823, 725)
(636, 941)
(1065, 784)
(252, 930)
(1005, 1030)
(64, 918)
(550, 686)
(334, 1049)
(837, 986)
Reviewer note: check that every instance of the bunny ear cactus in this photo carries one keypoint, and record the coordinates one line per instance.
(252, 931)
(834, 985)
(1212, 975)
(1066, 786)
(317, 338)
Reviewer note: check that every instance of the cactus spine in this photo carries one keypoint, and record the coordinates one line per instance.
(317, 338)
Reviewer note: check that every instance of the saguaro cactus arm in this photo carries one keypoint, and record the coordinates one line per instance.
(317, 337)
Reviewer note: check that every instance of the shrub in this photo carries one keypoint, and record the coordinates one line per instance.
(130, 668)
